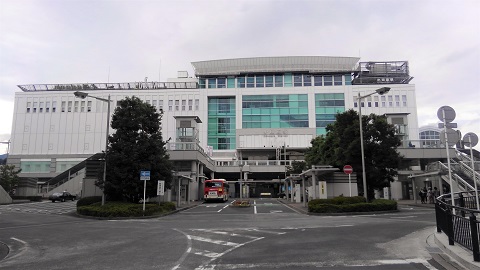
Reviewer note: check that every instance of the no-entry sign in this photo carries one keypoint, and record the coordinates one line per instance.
(347, 169)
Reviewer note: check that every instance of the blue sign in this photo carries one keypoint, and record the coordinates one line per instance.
(144, 175)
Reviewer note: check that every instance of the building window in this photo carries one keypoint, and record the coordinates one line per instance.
(29, 104)
(41, 107)
(327, 80)
(369, 101)
(47, 106)
(82, 106)
(223, 125)
(375, 99)
(307, 80)
(269, 81)
(223, 143)
(278, 80)
(69, 106)
(201, 83)
(177, 104)
(260, 81)
(64, 105)
(384, 99)
(197, 104)
(76, 106)
(337, 80)
(190, 104)
(404, 100)
(317, 80)
(34, 107)
(250, 81)
(89, 106)
(297, 80)
(170, 104)
(221, 82)
(54, 106)
(240, 82)
(212, 83)
(160, 105)
(184, 104)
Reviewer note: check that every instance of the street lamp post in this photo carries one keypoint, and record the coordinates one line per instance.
(379, 91)
(83, 95)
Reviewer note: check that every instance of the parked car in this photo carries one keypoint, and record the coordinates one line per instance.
(62, 196)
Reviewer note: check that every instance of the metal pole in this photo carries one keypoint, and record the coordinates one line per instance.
(144, 191)
(473, 172)
(106, 148)
(364, 175)
(448, 159)
(350, 184)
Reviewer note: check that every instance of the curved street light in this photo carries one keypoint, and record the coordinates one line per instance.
(380, 91)
(84, 95)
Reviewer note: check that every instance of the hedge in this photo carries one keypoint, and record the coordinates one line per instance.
(124, 209)
(340, 206)
(89, 200)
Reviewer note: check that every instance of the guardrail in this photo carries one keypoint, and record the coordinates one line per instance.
(458, 220)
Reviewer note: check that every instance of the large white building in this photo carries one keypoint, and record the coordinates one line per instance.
(251, 115)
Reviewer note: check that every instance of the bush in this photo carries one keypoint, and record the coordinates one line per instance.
(347, 204)
(124, 209)
(89, 200)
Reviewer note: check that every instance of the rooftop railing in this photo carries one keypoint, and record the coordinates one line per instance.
(108, 86)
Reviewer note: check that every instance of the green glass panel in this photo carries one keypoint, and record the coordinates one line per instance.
(339, 96)
(231, 82)
(275, 124)
(303, 110)
(287, 80)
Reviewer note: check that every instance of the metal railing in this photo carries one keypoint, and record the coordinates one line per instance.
(458, 220)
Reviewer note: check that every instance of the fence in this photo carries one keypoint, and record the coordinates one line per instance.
(459, 223)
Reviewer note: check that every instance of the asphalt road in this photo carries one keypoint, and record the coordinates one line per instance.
(266, 235)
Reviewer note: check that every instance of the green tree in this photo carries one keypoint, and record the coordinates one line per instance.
(9, 177)
(297, 167)
(136, 145)
(341, 146)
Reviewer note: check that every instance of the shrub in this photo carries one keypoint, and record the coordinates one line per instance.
(347, 204)
(124, 209)
(89, 200)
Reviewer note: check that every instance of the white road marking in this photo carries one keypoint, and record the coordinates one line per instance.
(404, 217)
(206, 253)
(223, 208)
(264, 231)
(225, 233)
(218, 242)
(254, 207)
(184, 255)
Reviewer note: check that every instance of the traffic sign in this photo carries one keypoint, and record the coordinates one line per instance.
(144, 175)
(347, 169)
(160, 188)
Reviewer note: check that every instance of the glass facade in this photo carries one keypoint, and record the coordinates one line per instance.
(35, 166)
(221, 123)
(275, 80)
(326, 108)
(275, 111)
(430, 138)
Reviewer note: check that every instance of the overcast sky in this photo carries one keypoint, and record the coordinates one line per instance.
(70, 41)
